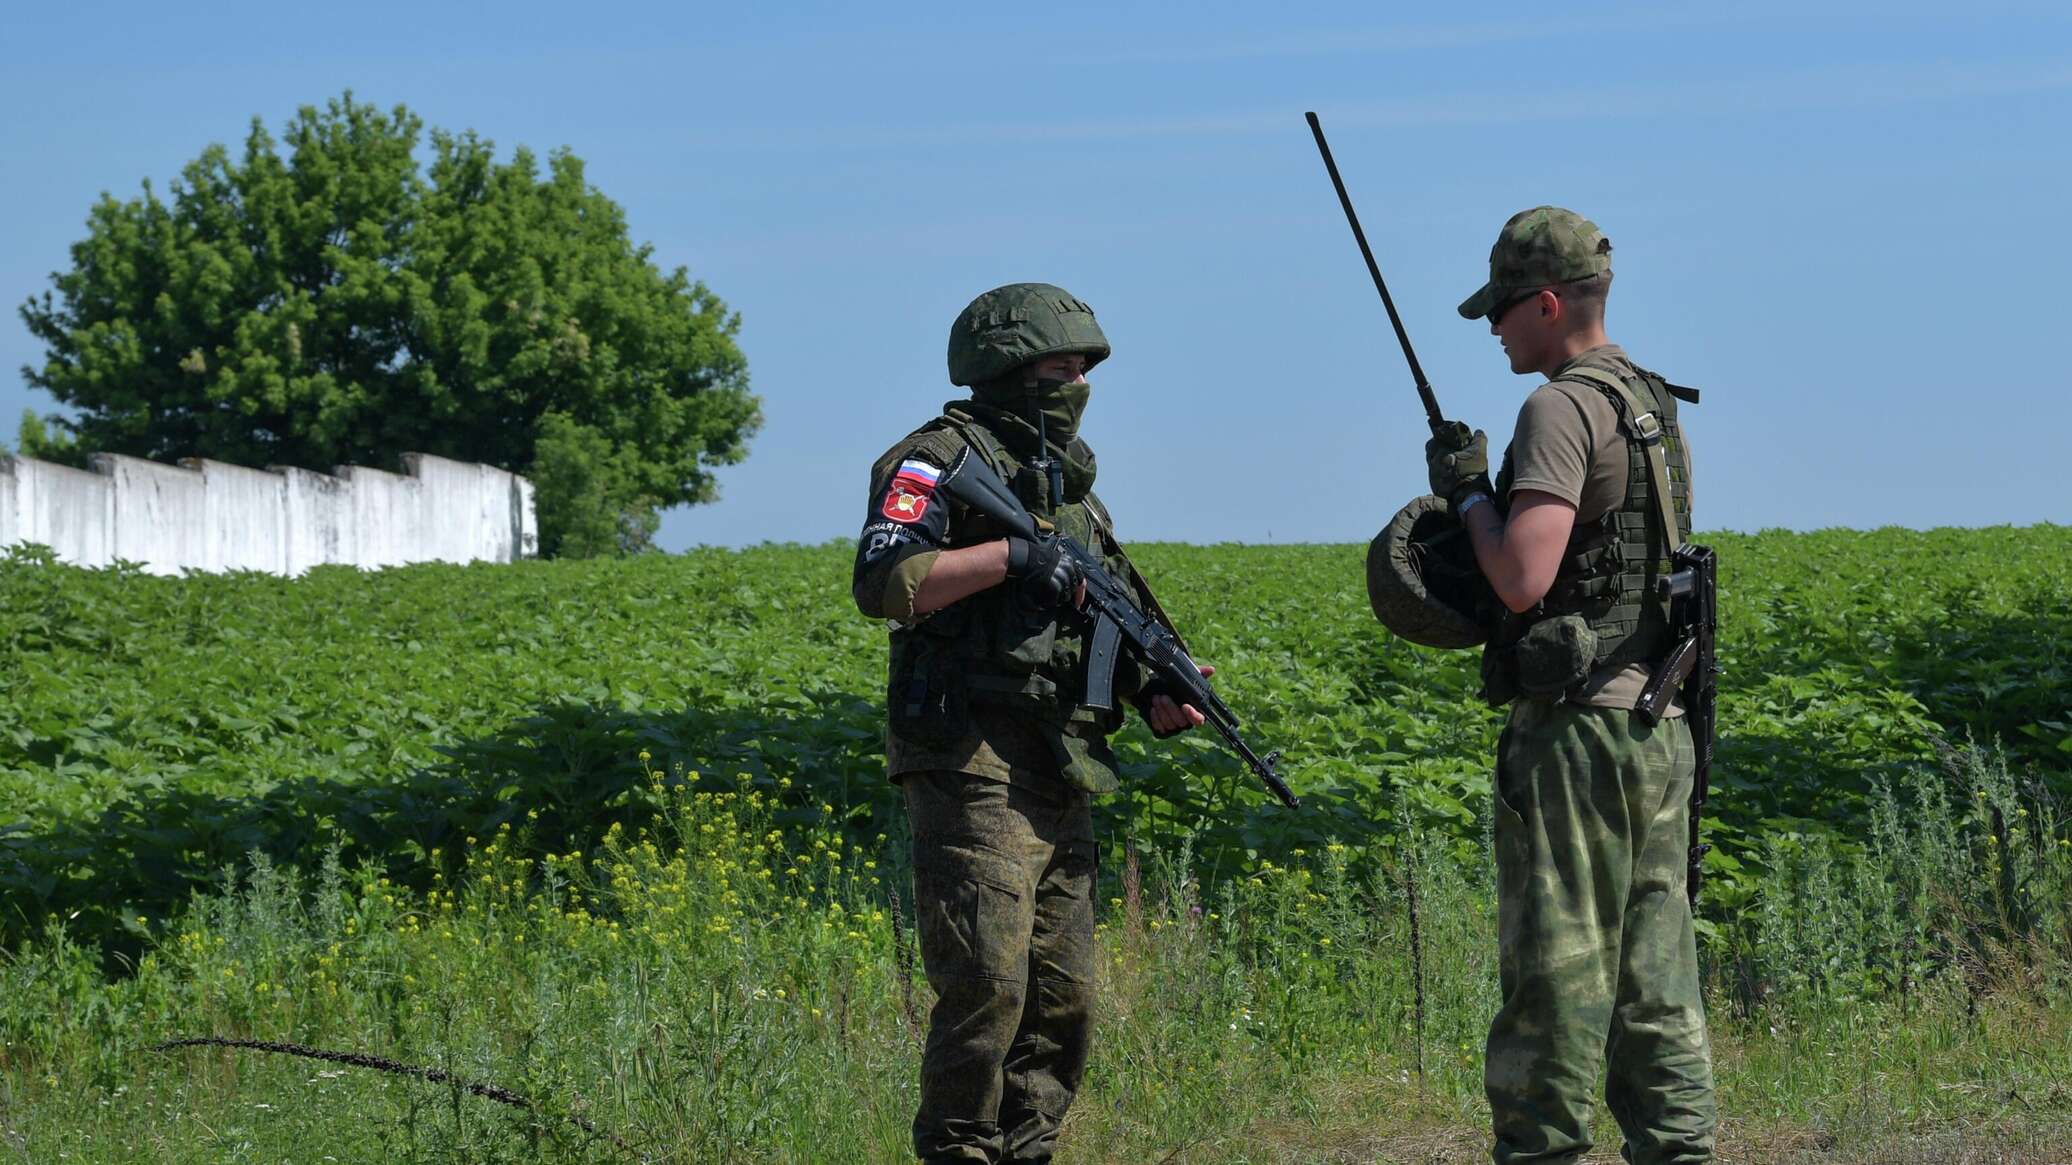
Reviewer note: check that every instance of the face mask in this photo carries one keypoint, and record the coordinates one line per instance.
(1060, 402)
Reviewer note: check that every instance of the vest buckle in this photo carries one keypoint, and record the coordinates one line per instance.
(1647, 429)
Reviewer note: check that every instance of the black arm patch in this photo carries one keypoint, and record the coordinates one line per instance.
(905, 517)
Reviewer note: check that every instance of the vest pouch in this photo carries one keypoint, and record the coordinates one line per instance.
(927, 699)
(1023, 639)
(1554, 655)
(928, 702)
(1499, 678)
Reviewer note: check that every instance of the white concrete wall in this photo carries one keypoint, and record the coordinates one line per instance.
(388, 514)
(206, 515)
(477, 499)
(523, 518)
(69, 510)
(160, 513)
(246, 511)
(317, 520)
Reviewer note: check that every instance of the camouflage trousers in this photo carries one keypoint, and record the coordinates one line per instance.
(1003, 891)
(1598, 959)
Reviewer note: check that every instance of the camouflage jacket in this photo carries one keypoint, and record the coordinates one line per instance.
(982, 686)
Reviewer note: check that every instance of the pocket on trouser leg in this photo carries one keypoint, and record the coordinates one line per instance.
(973, 915)
(1062, 943)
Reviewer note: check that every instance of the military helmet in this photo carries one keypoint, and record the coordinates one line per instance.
(1009, 326)
(1422, 580)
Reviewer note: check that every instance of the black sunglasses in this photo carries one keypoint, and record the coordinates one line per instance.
(1498, 312)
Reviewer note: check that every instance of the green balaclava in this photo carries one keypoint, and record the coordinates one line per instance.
(1012, 405)
(1061, 403)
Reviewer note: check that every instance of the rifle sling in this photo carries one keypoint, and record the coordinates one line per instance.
(1137, 579)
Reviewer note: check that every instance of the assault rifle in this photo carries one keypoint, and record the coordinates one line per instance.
(1692, 666)
(1118, 624)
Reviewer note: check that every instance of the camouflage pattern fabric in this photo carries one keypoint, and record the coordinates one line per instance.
(1539, 248)
(1007, 327)
(1001, 685)
(1598, 958)
(1422, 580)
(1003, 889)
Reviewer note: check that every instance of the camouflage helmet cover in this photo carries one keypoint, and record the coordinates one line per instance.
(1422, 580)
(1541, 247)
(1009, 326)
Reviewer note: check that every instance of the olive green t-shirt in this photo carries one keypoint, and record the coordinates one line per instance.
(1568, 444)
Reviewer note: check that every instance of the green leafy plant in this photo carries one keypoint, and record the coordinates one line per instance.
(153, 731)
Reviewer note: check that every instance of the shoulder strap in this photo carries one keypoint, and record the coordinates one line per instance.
(1111, 545)
(989, 449)
(1681, 392)
(1641, 425)
(978, 437)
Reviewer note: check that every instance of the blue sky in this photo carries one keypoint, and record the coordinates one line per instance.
(1841, 221)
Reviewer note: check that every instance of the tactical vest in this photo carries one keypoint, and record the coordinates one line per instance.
(1604, 608)
(988, 648)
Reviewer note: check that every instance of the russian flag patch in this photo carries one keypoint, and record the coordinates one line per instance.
(913, 487)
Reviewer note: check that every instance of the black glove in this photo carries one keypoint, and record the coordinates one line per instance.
(1142, 702)
(1048, 576)
(1457, 459)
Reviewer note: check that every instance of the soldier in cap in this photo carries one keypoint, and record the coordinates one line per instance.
(1598, 957)
(987, 733)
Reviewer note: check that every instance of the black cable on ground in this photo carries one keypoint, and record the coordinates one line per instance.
(495, 1092)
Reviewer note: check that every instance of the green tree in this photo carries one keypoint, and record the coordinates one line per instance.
(337, 302)
(33, 439)
(580, 491)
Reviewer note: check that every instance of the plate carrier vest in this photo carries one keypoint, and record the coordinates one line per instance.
(1610, 569)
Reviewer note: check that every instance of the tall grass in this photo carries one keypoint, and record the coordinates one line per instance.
(717, 986)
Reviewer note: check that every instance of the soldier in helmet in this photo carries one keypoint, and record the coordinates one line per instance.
(987, 734)
(1598, 958)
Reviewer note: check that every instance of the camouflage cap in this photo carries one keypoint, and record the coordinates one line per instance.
(1009, 326)
(1539, 248)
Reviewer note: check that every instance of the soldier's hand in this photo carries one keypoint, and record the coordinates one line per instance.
(1168, 716)
(1458, 461)
(1047, 577)
(1450, 436)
